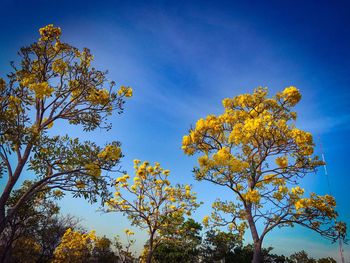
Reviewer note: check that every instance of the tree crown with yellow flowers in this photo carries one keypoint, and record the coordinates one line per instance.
(254, 149)
(56, 84)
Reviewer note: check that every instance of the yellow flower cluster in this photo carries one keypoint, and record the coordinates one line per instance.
(80, 184)
(128, 232)
(222, 158)
(211, 125)
(304, 141)
(291, 95)
(50, 33)
(75, 88)
(324, 204)
(57, 193)
(281, 192)
(226, 207)
(41, 89)
(110, 152)
(248, 119)
(279, 181)
(14, 103)
(252, 196)
(73, 246)
(59, 66)
(93, 169)
(205, 221)
(97, 96)
(245, 100)
(125, 91)
(282, 162)
(122, 179)
(297, 191)
(85, 57)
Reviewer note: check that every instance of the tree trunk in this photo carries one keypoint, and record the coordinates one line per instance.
(4, 217)
(3, 199)
(4, 254)
(149, 257)
(6, 251)
(3, 220)
(257, 256)
(150, 248)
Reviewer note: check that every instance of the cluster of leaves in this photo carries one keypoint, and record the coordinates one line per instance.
(179, 243)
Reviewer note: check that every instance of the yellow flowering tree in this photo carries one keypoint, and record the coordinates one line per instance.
(55, 85)
(79, 247)
(254, 149)
(75, 247)
(151, 202)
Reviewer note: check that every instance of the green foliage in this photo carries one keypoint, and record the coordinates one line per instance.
(123, 251)
(102, 251)
(326, 260)
(301, 257)
(219, 245)
(58, 157)
(179, 244)
(36, 226)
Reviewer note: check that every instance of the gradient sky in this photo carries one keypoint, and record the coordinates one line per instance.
(182, 59)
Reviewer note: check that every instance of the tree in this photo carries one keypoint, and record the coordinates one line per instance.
(255, 150)
(326, 260)
(102, 251)
(301, 257)
(123, 252)
(51, 230)
(151, 202)
(75, 247)
(179, 243)
(55, 83)
(245, 255)
(25, 224)
(220, 245)
(37, 224)
(26, 250)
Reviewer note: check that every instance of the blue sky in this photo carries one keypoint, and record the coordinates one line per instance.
(182, 59)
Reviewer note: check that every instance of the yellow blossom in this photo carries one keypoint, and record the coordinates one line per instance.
(110, 152)
(205, 221)
(93, 169)
(59, 66)
(291, 95)
(49, 33)
(41, 89)
(126, 91)
(252, 196)
(128, 232)
(282, 162)
(97, 96)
